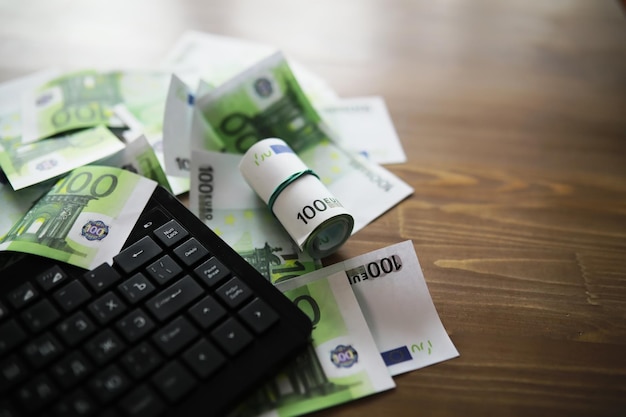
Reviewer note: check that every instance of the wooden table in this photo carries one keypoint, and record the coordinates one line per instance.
(513, 118)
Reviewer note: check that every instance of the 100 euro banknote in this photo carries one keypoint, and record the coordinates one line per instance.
(392, 293)
(342, 363)
(86, 99)
(84, 219)
(32, 163)
(262, 102)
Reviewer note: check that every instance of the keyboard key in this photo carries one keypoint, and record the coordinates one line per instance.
(137, 254)
(23, 295)
(135, 325)
(204, 358)
(174, 298)
(164, 269)
(232, 336)
(72, 296)
(107, 307)
(142, 402)
(212, 272)
(37, 393)
(136, 288)
(75, 328)
(191, 252)
(72, 369)
(104, 346)
(258, 315)
(77, 404)
(102, 277)
(51, 278)
(11, 335)
(152, 219)
(174, 381)
(109, 383)
(207, 312)
(171, 233)
(176, 335)
(42, 350)
(12, 371)
(234, 293)
(142, 360)
(40, 315)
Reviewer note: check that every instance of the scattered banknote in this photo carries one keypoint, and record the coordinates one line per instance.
(261, 102)
(214, 59)
(392, 293)
(32, 163)
(84, 219)
(86, 99)
(363, 125)
(10, 101)
(342, 364)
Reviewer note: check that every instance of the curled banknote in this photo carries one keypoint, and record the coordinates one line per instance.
(32, 163)
(84, 219)
(343, 363)
(86, 99)
(392, 293)
(262, 102)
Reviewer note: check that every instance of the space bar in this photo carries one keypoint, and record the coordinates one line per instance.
(172, 299)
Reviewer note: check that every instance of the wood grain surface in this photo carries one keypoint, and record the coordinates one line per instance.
(513, 118)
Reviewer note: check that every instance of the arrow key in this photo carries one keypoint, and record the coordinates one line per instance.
(258, 315)
(232, 336)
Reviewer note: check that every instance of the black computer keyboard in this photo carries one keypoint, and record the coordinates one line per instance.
(179, 325)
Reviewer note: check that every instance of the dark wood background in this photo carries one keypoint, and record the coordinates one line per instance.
(513, 118)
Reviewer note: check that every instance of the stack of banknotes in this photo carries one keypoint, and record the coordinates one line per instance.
(105, 138)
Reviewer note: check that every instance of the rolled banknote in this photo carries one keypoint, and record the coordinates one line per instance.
(221, 198)
(342, 364)
(313, 217)
(84, 219)
(32, 163)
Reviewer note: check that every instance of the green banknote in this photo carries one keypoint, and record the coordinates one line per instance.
(343, 363)
(262, 102)
(84, 219)
(32, 163)
(394, 273)
(86, 99)
(220, 197)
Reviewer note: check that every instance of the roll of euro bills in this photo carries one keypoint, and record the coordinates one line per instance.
(313, 217)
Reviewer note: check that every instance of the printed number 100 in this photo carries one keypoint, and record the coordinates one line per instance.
(308, 212)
